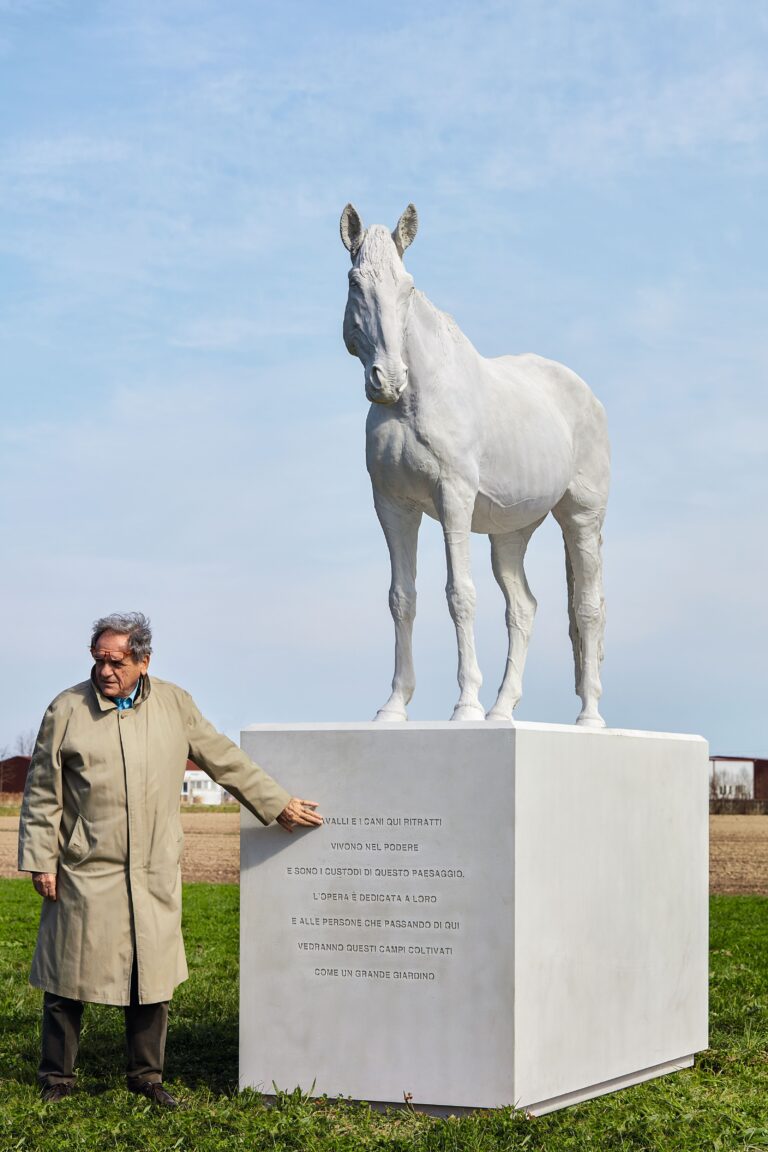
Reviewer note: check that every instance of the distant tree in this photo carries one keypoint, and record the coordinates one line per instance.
(25, 742)
(735, 782)
(742, 784)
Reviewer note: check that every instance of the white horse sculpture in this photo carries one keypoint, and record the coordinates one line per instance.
(480, 445)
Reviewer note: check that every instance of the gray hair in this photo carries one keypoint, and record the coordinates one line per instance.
(134, 625)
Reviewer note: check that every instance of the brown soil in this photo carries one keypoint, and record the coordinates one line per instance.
(738, 854)
(212, 847)
(738, 860)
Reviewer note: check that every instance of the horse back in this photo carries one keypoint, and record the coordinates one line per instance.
(543, 378)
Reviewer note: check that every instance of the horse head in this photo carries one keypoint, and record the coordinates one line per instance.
(380, 292)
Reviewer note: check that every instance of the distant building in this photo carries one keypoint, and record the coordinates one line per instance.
(198, 788)
(738, 778)
(13, 773)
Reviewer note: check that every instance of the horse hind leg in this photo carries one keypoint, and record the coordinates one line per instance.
(507, 556)
(582, 526)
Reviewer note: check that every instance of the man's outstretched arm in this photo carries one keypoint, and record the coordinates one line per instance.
(250, 785)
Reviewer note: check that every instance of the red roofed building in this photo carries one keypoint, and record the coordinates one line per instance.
(13, 773)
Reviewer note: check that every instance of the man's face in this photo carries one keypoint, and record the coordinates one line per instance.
(115, 671)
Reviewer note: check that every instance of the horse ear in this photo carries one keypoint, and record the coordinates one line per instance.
(407, 227)
(351, 229)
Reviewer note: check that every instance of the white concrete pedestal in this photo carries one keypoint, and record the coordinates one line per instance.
(491, 915)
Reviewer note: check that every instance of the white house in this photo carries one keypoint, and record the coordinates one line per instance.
(198, 788)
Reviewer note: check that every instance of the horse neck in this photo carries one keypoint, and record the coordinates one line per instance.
(432, 340)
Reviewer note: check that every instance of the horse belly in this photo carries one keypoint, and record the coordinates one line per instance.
(489, 516)
(527, 462)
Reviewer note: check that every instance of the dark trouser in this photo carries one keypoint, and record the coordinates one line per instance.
(146, 1026)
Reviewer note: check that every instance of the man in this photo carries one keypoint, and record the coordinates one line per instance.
(101, 834)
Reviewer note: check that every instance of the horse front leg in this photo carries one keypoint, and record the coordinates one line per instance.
(401, 530)
(456, 518)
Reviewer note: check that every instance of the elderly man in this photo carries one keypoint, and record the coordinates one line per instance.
(100, 833)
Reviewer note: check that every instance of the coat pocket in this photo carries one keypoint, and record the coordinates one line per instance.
(78, 846)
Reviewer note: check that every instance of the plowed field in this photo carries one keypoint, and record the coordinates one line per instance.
(738, 860)
(738, 854)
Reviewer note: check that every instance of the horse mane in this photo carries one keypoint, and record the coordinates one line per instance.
(446, 327)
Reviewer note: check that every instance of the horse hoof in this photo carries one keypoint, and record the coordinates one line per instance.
(389, 716)
(465, 713)
(499, 715)
(595, 721)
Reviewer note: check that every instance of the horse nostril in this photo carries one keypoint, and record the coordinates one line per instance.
(376, 378)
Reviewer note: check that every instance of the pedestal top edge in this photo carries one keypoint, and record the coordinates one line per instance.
(464, 726)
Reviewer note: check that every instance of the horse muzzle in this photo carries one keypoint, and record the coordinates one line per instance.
(385, 387)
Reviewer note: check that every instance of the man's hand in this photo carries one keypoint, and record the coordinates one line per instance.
(45, 884)
(299, 813)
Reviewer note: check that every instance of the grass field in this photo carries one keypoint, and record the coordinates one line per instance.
(721, 1104)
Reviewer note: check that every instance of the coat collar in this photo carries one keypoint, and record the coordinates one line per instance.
(107, 705)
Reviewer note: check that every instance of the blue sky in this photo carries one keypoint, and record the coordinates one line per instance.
(183, 429)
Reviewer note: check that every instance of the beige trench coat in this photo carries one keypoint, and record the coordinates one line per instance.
(101, 810)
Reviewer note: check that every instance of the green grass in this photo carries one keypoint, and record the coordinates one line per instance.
(721, 1104)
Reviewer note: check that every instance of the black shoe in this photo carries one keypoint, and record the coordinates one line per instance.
(52, 1093)
(154, 1091)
